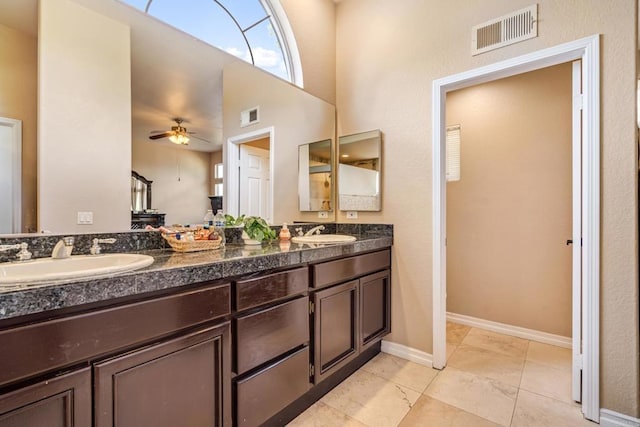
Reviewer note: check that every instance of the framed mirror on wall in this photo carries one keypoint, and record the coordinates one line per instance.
(315, 178)
(359, 169)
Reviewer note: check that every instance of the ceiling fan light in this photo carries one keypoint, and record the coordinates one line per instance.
(179, 139)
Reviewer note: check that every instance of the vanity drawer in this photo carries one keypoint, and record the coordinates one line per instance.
(262, 290)
(341, 270)
(53, 344)
(267, 334)
(264, 394)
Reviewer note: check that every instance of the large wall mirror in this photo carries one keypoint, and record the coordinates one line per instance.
(125, 82)
(360, 159)
(315, 179)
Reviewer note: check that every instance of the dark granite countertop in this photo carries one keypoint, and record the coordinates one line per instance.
(171, 269)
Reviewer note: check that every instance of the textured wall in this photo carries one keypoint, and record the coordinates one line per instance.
(81, 141)
(389, 53)
(18, 100)
(181, 179)
(313, 23)
(509, 216)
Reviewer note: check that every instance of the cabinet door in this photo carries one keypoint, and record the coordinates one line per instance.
(61, 401)
(335, 328)
(181, 382)
(375, 308)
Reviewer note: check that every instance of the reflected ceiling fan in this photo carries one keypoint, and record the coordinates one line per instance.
(178, 134)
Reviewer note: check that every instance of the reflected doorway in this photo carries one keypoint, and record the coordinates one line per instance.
(249, 171)
(10, 175)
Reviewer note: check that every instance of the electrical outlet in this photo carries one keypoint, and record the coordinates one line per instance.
(352, 215)
(85, 218)
(323, 214)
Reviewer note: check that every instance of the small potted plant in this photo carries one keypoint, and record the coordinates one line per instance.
(255, 229)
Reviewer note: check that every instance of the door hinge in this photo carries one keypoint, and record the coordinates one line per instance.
(312, 370)
(312, 307)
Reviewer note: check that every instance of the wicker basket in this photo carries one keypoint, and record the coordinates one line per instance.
(191, 246)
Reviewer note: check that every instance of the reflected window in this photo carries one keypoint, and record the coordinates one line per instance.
(250, 29)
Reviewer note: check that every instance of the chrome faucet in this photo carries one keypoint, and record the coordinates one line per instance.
(96, 249)
(314, 230)
(22, 255)
(63, 248)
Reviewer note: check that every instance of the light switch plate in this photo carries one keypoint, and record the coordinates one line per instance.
(352, 215)
(323, 215)
(85, 218)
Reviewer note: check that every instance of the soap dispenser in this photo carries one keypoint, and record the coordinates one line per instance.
(284, 232)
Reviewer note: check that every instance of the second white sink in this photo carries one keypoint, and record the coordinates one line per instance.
(323, 238)
(47, 269)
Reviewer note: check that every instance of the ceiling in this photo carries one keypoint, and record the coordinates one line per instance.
(173, 74)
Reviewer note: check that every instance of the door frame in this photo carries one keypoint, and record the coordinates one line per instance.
(231, 201)
(15, 127)
(587, 50)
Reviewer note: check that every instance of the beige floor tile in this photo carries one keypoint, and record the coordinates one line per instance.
(371, 399)
(533, 410)
(433, 413)
(503, 344)
(321, 415)
(551, 355)
(487, 398)
(547, 381)
(487, 364)
(456, 332)
(400, 371)
(451, 348)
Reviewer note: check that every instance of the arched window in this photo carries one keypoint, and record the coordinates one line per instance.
(255, 30)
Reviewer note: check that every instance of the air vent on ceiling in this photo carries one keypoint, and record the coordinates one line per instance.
(505, 30)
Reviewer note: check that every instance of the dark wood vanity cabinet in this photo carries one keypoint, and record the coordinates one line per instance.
(352, 309)
(336, 341)
(162, 361)
(271, 335)
(60, 401)
(375, 308)
(176, 382)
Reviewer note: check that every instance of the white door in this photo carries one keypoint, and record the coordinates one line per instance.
(576, 271)
(10, 175)
(254, 190)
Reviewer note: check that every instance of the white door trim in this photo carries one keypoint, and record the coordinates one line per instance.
(231, 162)
(588, 50)
(576, 234)
(16, 154)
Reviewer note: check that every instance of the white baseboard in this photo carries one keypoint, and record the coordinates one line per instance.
(614, 419)
(515, 331)
(407, 353)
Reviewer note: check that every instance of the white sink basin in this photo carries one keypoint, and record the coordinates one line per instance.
(48, 269)
(323, 238)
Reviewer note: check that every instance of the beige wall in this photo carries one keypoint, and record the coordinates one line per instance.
(313, 24)
(84, 146)
(389, 53)
(18, 100)
(181, 179)
(297, 117)
(509, 216)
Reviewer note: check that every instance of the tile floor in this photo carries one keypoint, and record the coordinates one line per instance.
(490, 380)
